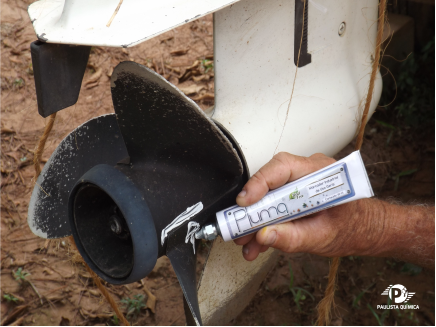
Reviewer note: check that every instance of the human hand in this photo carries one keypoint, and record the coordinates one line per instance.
(337, 231)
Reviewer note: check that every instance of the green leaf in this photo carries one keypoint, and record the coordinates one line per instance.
(304, 291)
(385, 124)
(360, 295)
(411, 269)
(10, 298)
(402, 174)
(375, 314)
(291, 279)
(407, 172)
(357, 299)
(391, 133)
(397, 182)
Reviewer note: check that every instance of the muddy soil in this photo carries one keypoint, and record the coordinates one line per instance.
(59, 291)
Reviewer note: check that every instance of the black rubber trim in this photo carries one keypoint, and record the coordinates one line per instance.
(135, 210)
(58, 71)
(301, 15)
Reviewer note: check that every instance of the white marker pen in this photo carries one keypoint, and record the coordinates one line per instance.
(343, 181)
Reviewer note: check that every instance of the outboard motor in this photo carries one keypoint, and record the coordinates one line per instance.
(131, 186)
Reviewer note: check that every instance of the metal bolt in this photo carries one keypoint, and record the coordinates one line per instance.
(115, 225)
(342, 28)
(208, 233)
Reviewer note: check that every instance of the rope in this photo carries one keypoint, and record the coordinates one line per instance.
(36, 164)
(328, 302)
(375, 68)
(102, 289)
(41, 145)
(295, 77)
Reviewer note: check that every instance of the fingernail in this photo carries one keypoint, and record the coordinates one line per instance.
(242, 193)
(245, 249)
(270, 238)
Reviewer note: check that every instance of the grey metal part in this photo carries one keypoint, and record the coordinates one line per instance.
(207, 232)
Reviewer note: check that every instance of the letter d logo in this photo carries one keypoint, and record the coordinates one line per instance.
(398, 293)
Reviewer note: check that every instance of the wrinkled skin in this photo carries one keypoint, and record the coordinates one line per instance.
(365, 227)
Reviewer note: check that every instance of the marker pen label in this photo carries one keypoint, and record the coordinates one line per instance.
(341, 182)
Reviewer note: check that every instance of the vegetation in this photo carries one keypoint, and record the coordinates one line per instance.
(133, 305)
(298, 293)
(10, 298)
(21, 275)
(207, 65)
(380, 318)
(115, 320)
(414, 90)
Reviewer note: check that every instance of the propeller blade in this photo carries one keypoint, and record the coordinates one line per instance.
(178, 156)
(184, 262)
(96, 142)
(162, 153)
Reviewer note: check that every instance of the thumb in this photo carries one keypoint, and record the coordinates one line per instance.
(286, 237)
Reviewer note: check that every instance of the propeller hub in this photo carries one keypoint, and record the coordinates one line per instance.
(115, 225)
(112, 226)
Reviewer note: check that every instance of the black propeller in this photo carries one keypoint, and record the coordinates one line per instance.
(131, 178)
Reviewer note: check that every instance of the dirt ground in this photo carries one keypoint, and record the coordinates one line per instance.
(61, 292)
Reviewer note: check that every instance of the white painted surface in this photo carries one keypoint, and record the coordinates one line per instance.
(83, 22)
(228, 282)
(254, 73)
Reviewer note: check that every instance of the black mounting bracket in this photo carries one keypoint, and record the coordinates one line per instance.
(301, 27)
(58, 71)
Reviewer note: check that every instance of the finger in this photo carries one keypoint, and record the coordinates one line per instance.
(282, 168)
(251, 250)
(274, 174)
(286, 237)
(244, 239)
(264, 248)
